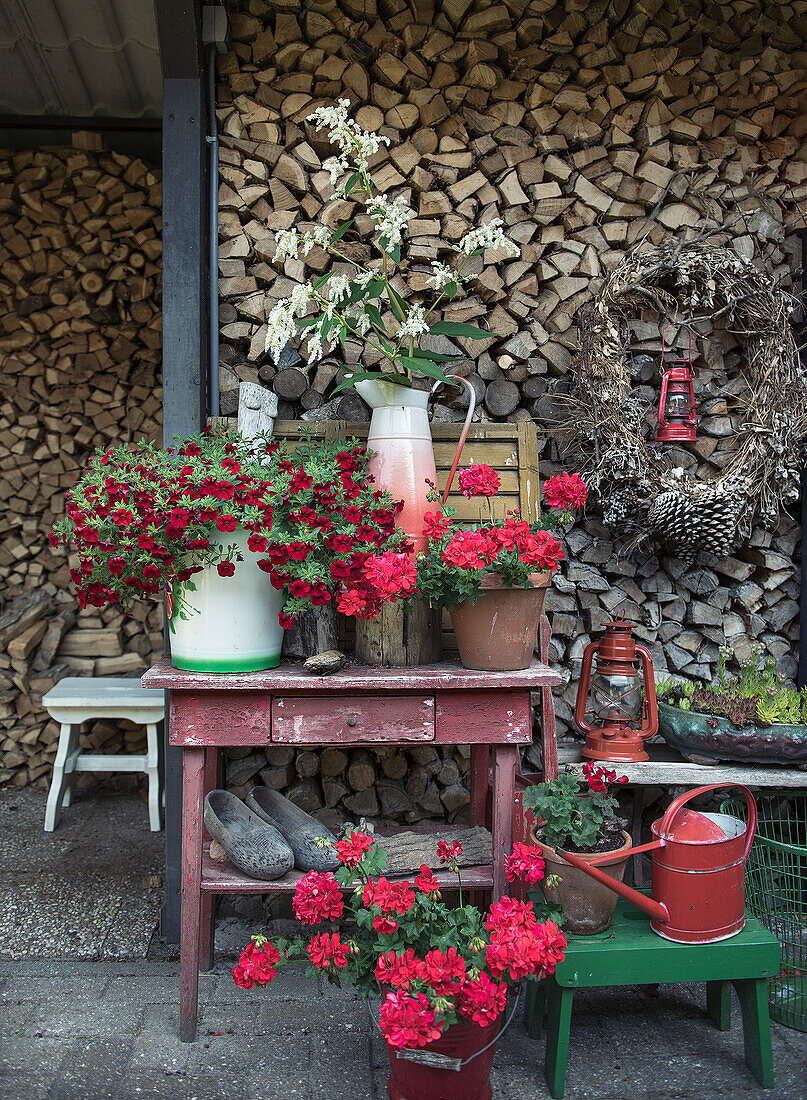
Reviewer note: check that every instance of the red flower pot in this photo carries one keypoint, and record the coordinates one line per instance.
(412, 1081)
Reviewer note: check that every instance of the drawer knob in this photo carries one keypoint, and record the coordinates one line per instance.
(351, 721)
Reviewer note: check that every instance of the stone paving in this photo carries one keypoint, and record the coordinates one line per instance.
(106, 1028)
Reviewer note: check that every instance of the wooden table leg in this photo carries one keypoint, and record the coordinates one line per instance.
(207, 928)
(480, 759)
(505, 760)
(193, 782)
(558, 1026)
(534, 1008)
(718, 1004)
(753, 995)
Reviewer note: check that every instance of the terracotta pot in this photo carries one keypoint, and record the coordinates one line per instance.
(498, 633)
(412, 1081)
(587, 904)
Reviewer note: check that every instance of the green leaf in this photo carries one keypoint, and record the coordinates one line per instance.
(438, 356)
(349, 182)
(425, 367)
(340, 232)
(375, 376)
(374, 313)
(393, 253)
(459, 328)
(397, 303)
(322, 279)
(307, 322)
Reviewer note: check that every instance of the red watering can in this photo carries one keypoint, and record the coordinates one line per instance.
(698, 893)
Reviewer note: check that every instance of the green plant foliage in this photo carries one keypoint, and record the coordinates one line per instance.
(574, 814)
(755, 695)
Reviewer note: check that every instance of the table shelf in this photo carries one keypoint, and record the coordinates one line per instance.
(221, 877)
(666, 767)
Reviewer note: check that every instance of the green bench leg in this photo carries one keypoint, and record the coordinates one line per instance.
(534, 1008)
(718, 1004)
(753, 995)
(559, 1019)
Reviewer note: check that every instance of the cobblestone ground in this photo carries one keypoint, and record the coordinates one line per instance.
(73, 1028)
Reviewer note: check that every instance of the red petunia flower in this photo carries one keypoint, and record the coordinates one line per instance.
(226, 523)
(225, 569)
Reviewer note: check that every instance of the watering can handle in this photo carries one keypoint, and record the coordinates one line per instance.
(675, 806)
(465, 427)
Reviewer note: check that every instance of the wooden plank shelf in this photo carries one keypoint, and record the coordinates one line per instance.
(666, 767)
(224, 878)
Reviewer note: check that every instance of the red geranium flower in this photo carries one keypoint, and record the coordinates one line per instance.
(448, 853)
(526, 862)
(408, 1021)
(426, 882)
(482, 1000)
(327, 951)
(565, 491)
(479, 480)
(385, 925)
(444, 972)
(435, 525)
(351, 850)
(317, 898)
(256, 965)
(399, 970)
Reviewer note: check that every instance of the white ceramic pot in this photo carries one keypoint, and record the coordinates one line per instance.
(228, 624)
(401, 441)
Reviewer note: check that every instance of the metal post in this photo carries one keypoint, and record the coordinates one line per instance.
(185, 358)
(802, 673)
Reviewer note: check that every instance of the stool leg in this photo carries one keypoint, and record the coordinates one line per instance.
(534, 1009)
(59, 785)
(753, 995)
(559, 1020)
(152, 770)
(718, 1004)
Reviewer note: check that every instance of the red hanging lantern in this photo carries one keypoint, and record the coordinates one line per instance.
(677, 412)
(616, 705)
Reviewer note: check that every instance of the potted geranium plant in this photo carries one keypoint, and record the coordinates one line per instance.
(369, 301)
(443, 972)
(493, 577)
(580, 818)
(240, 536)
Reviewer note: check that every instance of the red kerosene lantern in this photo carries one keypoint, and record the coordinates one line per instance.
(616, 706)
(677, 415)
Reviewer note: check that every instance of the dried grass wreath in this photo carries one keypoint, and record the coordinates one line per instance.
(638, 488)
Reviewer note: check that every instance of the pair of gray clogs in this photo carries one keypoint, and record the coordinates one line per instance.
(267, 835)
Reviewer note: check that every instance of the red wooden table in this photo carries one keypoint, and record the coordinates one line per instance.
(442, 704)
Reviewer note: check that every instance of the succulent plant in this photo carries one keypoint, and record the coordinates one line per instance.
(754, 695)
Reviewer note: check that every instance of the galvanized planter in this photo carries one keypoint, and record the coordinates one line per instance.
(702, 738)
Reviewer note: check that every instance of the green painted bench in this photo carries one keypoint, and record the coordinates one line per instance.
(630, 953)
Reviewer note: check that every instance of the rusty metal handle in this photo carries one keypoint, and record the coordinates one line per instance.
(675, 806)
(465, 427)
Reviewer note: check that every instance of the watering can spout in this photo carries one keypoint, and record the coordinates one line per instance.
(656, 909)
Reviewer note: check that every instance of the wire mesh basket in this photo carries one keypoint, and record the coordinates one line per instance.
(776, 893)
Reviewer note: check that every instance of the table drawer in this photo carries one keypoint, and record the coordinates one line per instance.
(352, 719)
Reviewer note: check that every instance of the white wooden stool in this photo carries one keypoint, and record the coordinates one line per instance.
(77, 699)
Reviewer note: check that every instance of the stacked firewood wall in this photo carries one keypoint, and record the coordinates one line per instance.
(80, 338)
(587, 127)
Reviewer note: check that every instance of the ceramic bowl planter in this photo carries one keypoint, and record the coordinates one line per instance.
(499, 631)
(414, 1080)
(707, 740)
(588, 906)
(227, 624)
